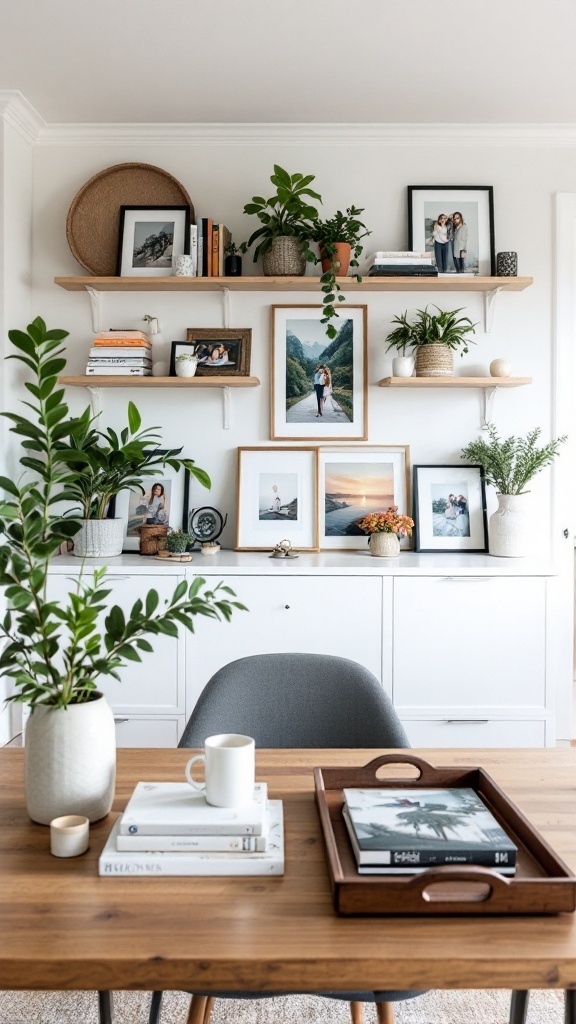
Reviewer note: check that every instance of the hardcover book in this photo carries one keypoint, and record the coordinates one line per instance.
(175, 809)
(422, 827)
(119, 351)
(119, 371)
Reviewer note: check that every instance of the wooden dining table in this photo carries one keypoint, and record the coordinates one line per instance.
(64, 927)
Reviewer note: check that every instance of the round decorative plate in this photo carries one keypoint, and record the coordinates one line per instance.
(206, 524)
(93, 220)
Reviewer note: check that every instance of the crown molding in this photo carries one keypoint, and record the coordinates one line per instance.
(16, 111)
(246, 134)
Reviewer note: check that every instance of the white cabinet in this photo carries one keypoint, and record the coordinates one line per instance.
(475, 732)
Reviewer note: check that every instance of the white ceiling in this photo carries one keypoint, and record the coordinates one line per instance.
(400, 61)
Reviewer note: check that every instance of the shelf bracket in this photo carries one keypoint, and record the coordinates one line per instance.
(226, 408)
(96, 307)
(490, 308)
(95, 400)
(489, 395)
(225, 308)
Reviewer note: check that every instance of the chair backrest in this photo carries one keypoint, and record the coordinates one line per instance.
(296, 700)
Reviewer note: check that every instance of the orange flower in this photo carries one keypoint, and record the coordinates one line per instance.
(387, 522)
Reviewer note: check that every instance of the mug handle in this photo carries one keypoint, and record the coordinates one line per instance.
(192, 782)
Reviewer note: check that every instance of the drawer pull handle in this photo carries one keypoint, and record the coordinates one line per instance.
(466, 579)
(466, 721)
(120, 721)
(116, 577)
(287, 607)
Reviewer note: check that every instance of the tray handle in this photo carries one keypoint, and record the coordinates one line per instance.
(493, 884)
(427, 771)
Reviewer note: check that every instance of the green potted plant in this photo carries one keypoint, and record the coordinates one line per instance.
(54, 654)
(434, 337)
(233, 259)
(339, 238)
(509, 465)
(287, 220)
(178, 542)
(186, 365)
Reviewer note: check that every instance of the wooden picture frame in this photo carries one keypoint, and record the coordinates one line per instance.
(341, 413)
(475, 203)
(150, 239)
(236, 340)
(450, 509)
(277, 493)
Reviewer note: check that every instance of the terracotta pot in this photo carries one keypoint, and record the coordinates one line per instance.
(341, 259)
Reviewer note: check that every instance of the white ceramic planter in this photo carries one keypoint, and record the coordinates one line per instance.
(384, 545)
(511, 527)
(70, 761)
(186, 367)
(403, 366)
(99, 538)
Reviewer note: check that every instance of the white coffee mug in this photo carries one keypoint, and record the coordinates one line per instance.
(230, 762)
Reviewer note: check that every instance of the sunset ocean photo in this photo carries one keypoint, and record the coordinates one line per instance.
(352, 490)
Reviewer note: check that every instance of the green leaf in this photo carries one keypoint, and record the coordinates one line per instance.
(152, 601)
(134, 418)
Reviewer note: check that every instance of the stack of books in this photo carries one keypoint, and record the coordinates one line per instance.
(169, 829)
(402, 264)
(207, 244)
(406, 831)
(120, 354)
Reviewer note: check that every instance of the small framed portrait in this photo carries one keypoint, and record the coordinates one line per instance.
(318, 386)
(455, 224)
(450, 508)
(277, 490)
(220, 353)
(150, 239)
(355, 481)
(164, 502)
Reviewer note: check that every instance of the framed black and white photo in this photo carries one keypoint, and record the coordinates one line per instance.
(455, 224)
(151, 238)
(276, 498)
(318, 387)
(355, 481)
(164, 502)
(221, 352)
(450, 508)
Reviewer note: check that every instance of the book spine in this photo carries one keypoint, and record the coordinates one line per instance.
(429, 858)
(108, 361)
(122, 342)
(402, 253)
(128, 336)
(122, 865)
(200, 247)
(194, 248)
(178, 829)
(193, 844)
(118, 371)
(404, 272)
(215, 249)
(120, 352)
(209, 238)
(402, 261)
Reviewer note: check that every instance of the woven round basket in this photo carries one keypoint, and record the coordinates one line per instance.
(93, 220)
(434, 361)
(284, 258)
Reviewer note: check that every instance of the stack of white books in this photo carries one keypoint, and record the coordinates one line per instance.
(169, 829)
(402, 263)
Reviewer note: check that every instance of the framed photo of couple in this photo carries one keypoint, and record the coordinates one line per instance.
(450, 508)
(318, 386)
(455, 224)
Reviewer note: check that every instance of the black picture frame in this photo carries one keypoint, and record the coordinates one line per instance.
(126, 244)
(416, 224)
(120, 504)
(464, 476)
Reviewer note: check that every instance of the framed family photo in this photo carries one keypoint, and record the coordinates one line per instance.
(221, 352)
(455, 224)
(355, 481)
(318, 386)
(276, 498)
(150, 239)
(450, 508)
(164, 503)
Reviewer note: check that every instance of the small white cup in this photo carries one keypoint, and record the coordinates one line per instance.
(230, 761)
(184, 266)
(69, 835)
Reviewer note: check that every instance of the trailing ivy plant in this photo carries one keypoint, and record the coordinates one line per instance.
(53, 653)
(510, 464)
(342, 227)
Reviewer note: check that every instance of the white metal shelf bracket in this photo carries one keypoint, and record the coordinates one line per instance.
(490, 308)
(96, 307)
(225, 308)
(489, 395)
(226, 408)
(95, 400)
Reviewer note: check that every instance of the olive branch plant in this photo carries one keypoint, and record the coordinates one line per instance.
(54, 654)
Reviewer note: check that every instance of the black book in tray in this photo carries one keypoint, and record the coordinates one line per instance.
(397, 831)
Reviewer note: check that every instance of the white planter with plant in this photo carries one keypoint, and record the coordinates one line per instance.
(54, 654)
(385, 530)
(434, 337)
(509, 466)
(186, 365)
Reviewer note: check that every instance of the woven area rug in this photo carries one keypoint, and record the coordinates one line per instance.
(546, 1007)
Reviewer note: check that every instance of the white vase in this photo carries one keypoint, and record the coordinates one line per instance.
(70, 760)
(500, 368)
(99, 538)
(186, 367)
(511, 527)
(403, 366)
(384, 545)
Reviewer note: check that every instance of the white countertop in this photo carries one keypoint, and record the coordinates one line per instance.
(325, 563)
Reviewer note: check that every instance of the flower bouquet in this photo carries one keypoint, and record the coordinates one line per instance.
(385, 529)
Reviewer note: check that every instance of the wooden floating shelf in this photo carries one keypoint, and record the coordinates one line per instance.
(454, 382)
(292, 284)
(159, 382)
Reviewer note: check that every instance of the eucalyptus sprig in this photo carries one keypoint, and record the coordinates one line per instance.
(511, 463)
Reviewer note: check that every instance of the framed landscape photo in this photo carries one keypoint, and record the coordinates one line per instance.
(151, 238)
(355, 481)
(450, 508)
(318, 386)
(277, 490)
(164, 502)
(455, 224)
(221, 352)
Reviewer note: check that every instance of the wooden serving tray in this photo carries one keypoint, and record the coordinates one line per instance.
(543, 884)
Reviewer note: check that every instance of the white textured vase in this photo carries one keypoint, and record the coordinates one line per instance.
(403, 366)
(186, 367)
(384, 545)
(70, 760)
(511, 527)
(99, 538)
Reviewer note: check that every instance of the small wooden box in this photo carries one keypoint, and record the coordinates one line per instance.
(543, 884)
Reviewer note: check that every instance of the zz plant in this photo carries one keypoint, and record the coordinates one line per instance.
(55, 654)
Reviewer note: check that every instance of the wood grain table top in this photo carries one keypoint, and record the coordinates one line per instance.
(63, 927)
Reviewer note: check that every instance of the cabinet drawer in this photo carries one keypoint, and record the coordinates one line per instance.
(475, 733)
(148, 732)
